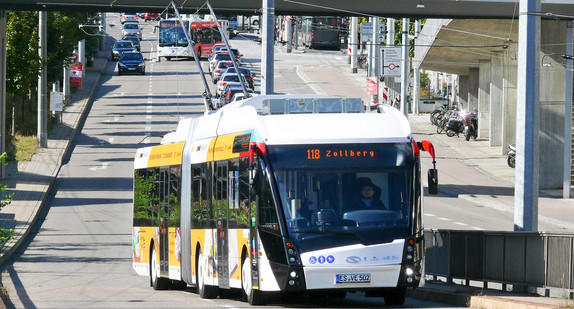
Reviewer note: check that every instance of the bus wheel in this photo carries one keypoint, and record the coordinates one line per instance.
(396, 296)
(157, 282)
(204, 291)
(168, 58)
(254, 297)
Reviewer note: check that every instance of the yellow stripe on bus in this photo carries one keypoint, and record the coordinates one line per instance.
(166, 155)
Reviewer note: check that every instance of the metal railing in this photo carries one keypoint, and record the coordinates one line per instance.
(523, 259)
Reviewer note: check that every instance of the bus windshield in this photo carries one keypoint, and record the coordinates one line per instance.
(361, 190)
(171, 34)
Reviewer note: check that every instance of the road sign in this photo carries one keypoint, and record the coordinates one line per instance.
(391, 61)
(367, 32)
(288, 18)
(56, 101)
(371, 85)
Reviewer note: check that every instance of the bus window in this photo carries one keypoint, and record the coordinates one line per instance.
(195, 197)
(267, 215)
(174, 189)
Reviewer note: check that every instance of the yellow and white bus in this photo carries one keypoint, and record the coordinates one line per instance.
(261, 196)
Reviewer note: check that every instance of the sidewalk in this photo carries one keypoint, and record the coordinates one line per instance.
(31, 182)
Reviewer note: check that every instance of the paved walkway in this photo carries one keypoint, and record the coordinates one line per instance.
(32, 182)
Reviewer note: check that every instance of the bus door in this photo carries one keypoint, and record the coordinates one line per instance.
(163, 236)
(222, 216)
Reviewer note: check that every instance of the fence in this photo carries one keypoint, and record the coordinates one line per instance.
(527, 259)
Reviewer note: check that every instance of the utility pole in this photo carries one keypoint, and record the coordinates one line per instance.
(404, 67)
(375, 62)
(354, 43)
(268, 43)
(417, 86)
(43, 83)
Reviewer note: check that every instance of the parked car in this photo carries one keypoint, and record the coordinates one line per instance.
(134, 39)
(227, 79)
(224, 50)
(128, 17)
(215, 59)
(151, 16)
(219, 69)
(132, 28)
(120, 47)
(245, 72)
(229, 91)
(131, 62)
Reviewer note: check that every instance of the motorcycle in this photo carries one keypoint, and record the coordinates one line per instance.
(511, 155)
(471, 126)
(455, 125)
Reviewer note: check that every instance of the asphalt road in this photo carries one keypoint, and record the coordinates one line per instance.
(80, 253)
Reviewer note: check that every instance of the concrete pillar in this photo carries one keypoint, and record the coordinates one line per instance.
(496, 96)
(553, 95)
(483, 98)
(267, 37)
(567, 156)
(527, 117)
(417, 72)
(375, 63)
(2, 89)
(43, 82)
(473, 82)
(455, 89)
(509, 101)
(289, 30)
(463, 90)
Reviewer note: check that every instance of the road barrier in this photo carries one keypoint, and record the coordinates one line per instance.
(523, 259)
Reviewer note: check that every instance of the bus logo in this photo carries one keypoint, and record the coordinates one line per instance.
(353, 259)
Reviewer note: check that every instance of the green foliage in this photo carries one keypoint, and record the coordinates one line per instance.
(22, 60)
(5, 199)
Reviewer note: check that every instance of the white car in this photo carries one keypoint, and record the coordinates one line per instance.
(132, 28)
(128, 18)
(227, 79)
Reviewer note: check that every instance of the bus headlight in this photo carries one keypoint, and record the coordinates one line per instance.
(293, 274)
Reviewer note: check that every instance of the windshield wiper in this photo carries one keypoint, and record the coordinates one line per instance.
(323, 230)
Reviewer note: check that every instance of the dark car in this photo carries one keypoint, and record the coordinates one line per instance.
(134, 39)
(131, 62)
(120, 47)
(245, 72)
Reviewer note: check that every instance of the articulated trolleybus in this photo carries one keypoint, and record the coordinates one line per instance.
(264, 196)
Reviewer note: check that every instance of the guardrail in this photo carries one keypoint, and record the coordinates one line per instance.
(523, 259)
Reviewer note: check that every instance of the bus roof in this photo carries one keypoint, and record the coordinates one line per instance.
(299, 128)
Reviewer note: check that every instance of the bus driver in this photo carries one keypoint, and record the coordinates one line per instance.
(368, 199)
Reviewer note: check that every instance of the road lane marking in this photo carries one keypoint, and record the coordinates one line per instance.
(460, 223)
(444, 219)
(103, 167)
(477, 228)
(430, 215)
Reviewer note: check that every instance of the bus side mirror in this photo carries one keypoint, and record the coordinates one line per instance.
(253, 180)
(433, 181)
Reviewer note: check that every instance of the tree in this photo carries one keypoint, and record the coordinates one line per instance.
(5, 199)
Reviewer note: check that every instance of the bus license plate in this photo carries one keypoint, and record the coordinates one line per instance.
(353, 278)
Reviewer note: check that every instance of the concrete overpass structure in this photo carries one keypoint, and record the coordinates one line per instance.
(381, 8)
